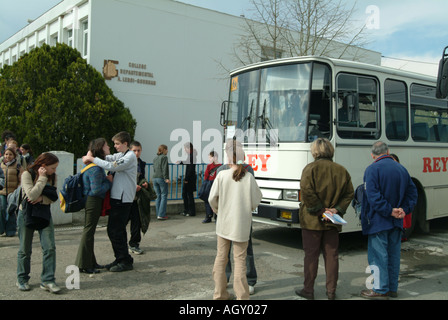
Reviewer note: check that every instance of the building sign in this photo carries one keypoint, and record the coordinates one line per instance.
(132, 73)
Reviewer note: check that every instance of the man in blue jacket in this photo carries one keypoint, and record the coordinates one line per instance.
(389, 194)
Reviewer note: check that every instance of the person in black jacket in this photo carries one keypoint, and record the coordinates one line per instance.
(134, 216)
(189, 186)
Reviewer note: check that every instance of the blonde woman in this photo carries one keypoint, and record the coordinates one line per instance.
(325, 186)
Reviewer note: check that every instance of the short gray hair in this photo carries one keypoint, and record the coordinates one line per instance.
(379, 148)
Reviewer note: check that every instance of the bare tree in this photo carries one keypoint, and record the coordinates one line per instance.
(282, 28)
(264, 33)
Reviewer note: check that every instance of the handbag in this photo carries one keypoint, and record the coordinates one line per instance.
(206, 186)
(37, 216)
(106, 205)
(407, 221)
(204, 192)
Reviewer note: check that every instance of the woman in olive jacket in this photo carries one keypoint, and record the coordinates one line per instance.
(325, 187)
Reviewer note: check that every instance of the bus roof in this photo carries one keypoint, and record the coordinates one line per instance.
(336, 63)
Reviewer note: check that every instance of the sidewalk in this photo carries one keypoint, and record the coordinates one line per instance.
(172, 265)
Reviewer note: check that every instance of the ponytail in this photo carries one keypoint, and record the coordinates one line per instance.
(239, 173)
(161, 148)
(235, 153)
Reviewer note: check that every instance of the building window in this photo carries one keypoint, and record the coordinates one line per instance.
(269, 53)
(70, 38)
(54, 39)
(85, 38)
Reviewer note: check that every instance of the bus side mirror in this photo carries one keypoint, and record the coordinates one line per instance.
(224, 111)
(442, 77)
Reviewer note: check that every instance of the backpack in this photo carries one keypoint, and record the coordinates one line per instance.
(13, 201)
(71, 196)
(357, 200)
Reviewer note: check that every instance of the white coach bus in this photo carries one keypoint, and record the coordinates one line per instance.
(277, 108)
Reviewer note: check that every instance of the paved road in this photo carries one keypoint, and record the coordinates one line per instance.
(179, 256)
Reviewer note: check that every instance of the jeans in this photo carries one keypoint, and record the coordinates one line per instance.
(384, 259)
(161, 189)
(208, 210)
(7, 223)
(240, 285)
(24, 255)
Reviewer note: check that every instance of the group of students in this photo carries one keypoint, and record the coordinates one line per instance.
(389, 194)
(234, 195)
(122, 187)
(125, 179)
(13, 162)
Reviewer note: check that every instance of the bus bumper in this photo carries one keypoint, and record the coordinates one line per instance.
(287, 215)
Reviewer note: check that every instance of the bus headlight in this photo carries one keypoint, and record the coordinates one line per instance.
(291, 195)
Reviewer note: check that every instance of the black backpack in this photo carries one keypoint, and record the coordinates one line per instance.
(71, 196)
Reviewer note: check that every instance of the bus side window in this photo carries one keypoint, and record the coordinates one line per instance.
(358, 107)
(429, 115)
(396, 110)
(320, 103)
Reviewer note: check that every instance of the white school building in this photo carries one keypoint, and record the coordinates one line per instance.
(160, 57)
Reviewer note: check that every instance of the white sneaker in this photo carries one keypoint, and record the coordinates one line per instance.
(52, 287)
(23, 287)
(135, 250)
(251, 290)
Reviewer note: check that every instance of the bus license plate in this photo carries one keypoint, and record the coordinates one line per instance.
(286, 215)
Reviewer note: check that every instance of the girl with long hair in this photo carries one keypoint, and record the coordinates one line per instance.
(34, 180)
(233, 197)
(96, 184)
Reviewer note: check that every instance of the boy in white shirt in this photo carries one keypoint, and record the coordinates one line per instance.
(124, 166)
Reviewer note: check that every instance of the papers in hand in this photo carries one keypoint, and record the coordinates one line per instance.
(335, 218)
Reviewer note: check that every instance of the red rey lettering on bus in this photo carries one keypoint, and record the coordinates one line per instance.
(252, 161)
(436, 164)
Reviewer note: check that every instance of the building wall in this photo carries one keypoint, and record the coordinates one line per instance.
(160, 57)
(177, 47)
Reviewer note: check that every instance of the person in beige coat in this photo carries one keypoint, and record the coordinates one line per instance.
(233, 197)
(12, 171)
(325, 186)
(34, 180)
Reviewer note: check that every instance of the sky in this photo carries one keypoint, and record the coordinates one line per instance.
(403, 31)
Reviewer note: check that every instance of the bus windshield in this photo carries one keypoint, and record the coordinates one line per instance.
(287, 103)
